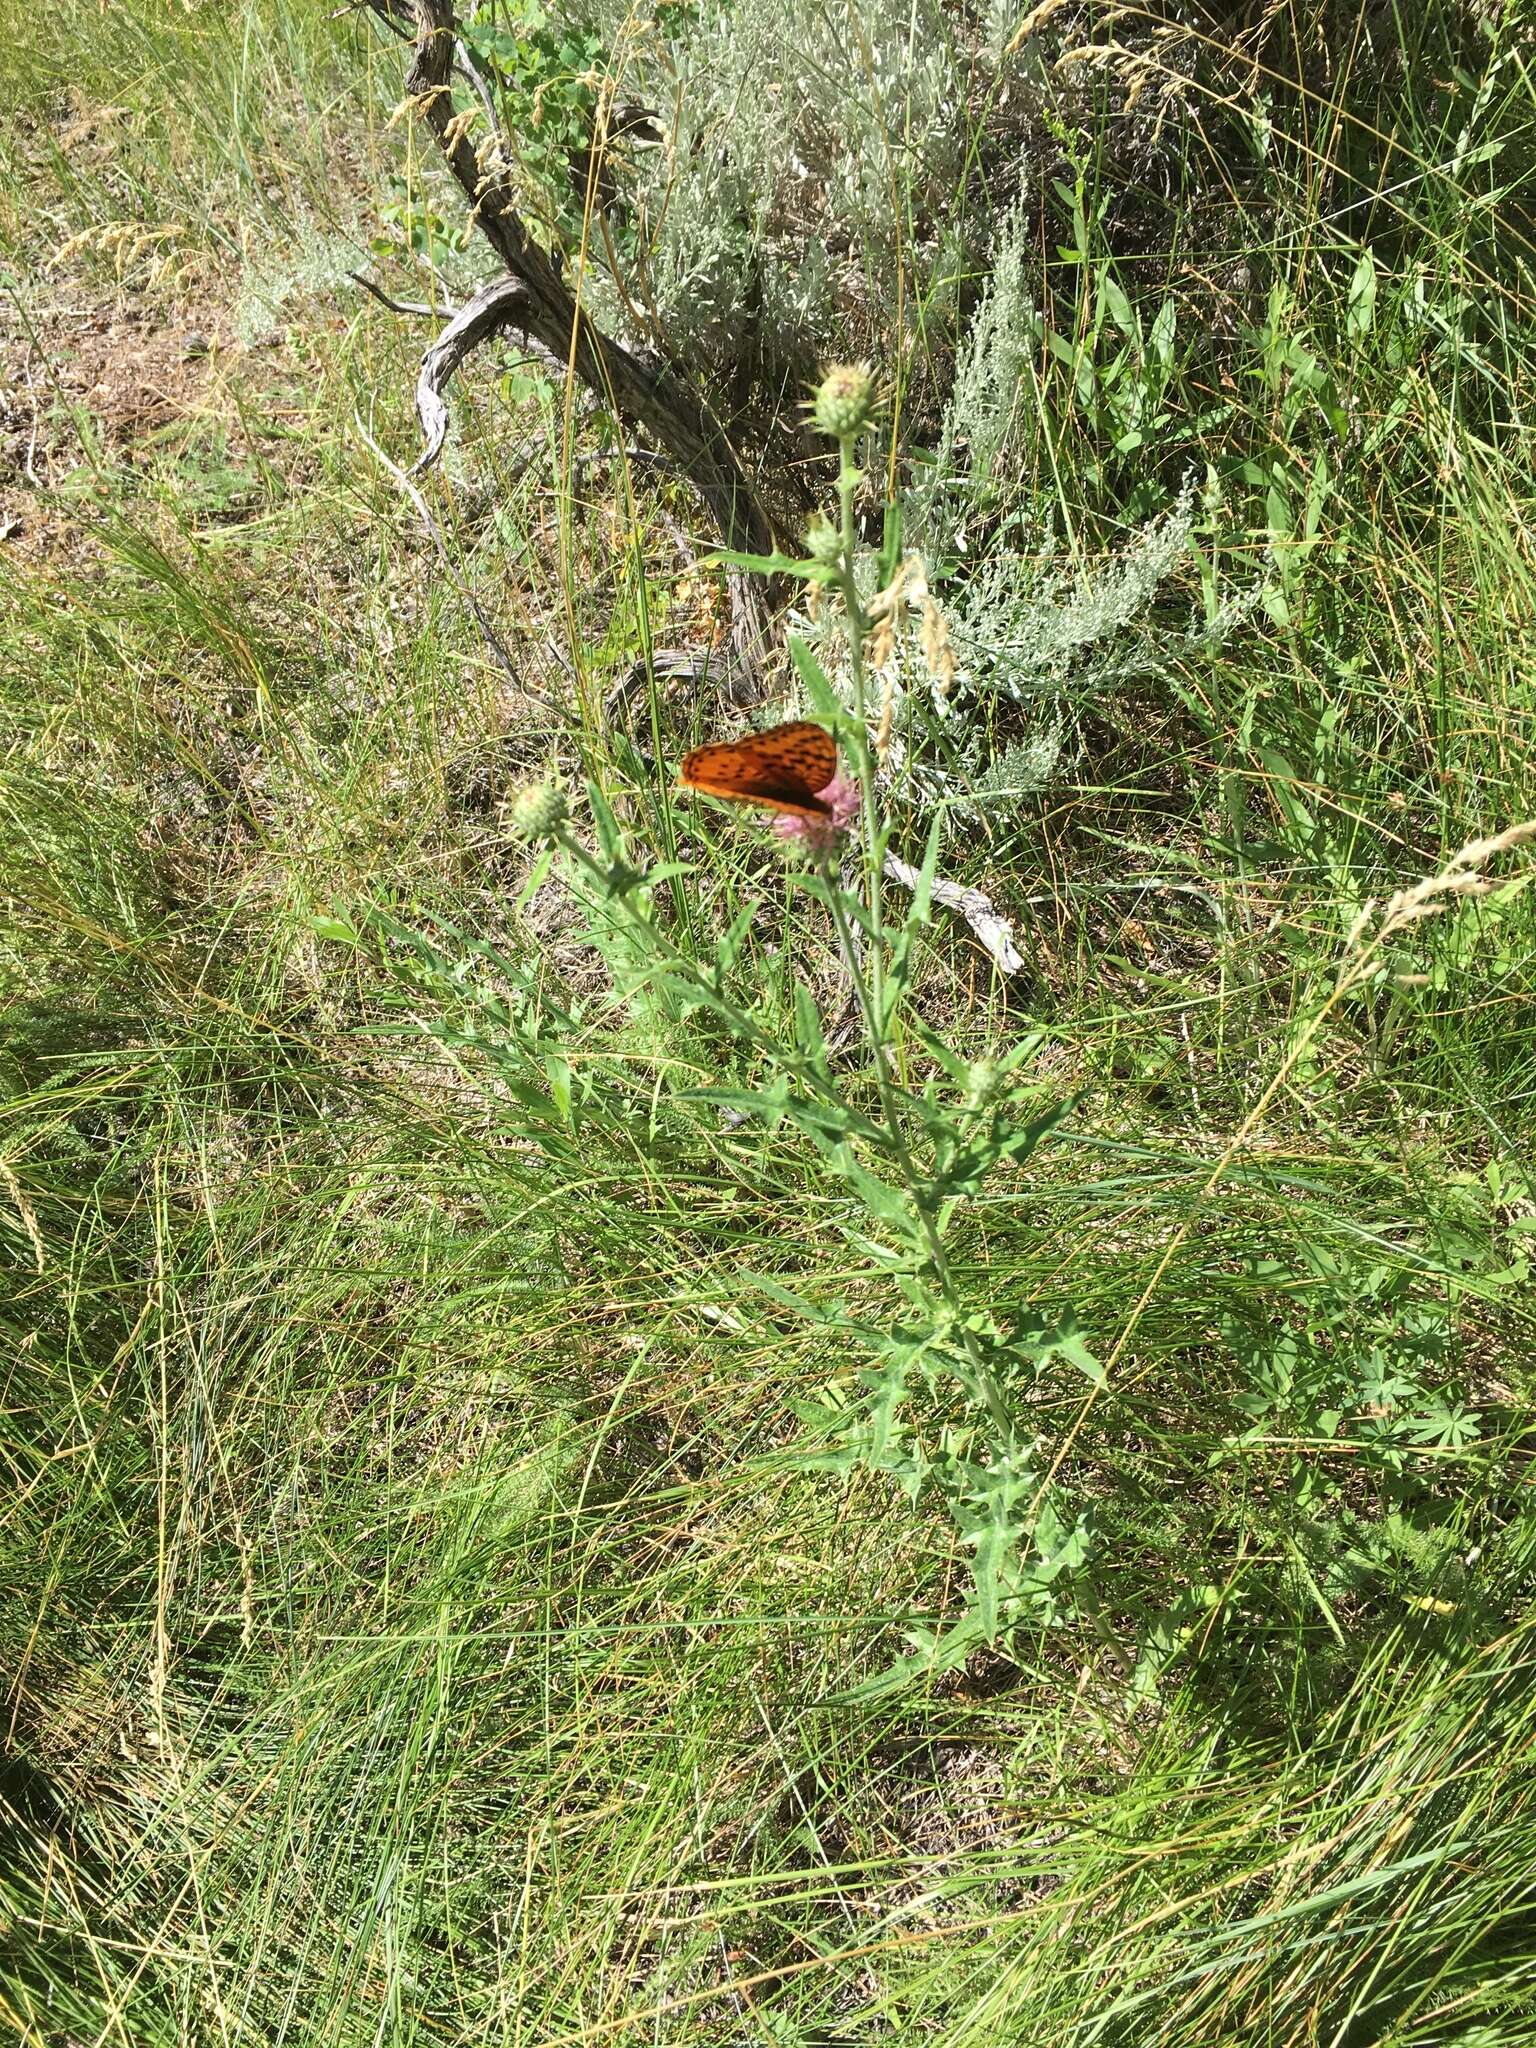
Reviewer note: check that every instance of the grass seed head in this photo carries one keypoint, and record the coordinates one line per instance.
(938, 655)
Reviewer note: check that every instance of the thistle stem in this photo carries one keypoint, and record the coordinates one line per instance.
(871, 993)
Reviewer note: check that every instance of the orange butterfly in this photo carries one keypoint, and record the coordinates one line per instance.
(781, 769)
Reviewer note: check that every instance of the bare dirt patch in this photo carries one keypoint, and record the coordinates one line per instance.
(88, 385)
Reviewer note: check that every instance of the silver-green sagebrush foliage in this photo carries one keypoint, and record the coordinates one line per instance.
(747, 191)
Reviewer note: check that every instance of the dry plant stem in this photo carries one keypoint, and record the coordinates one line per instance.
(858, 626)
(488, 632)
(26, 1212)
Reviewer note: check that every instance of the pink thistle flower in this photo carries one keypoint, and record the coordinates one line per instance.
(821, 832)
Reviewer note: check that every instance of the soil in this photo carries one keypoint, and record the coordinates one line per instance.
(88, 384)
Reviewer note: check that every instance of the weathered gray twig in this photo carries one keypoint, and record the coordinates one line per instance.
(417, 309)
(994, 932)
(496, 307)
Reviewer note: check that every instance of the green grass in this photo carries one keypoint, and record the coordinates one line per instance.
(421, 1619)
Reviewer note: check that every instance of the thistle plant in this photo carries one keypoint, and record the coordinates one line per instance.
(938, 1400)
(980, 1462)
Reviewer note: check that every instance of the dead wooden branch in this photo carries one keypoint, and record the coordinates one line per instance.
(994, 932)
(415, 309)
(649, 396)
(495, 308)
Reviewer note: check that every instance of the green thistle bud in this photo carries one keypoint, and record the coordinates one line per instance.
(824, 544)
(536, 811)
(845, 403)
(984, 1084)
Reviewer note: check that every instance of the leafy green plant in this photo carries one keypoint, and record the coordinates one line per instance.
(939, 1402)
(411, 223)
(547, 72)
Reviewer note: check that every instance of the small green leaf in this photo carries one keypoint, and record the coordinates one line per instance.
(765, 565)
(785, 1297)
(1361, 311)
(808, 1031)
(1160, 340)
(822, 695)
(1119, 308)
(1063, 1339)
(890, 1204)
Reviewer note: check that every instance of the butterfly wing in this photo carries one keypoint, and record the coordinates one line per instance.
(781, 769)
